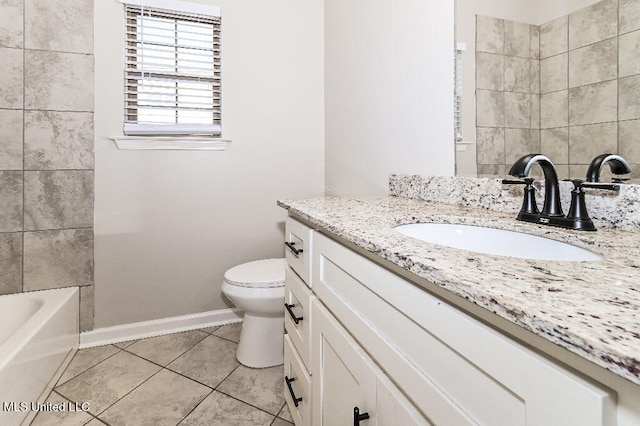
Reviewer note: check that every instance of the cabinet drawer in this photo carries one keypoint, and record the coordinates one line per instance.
(297, 318)
(297, 384)
(454, 368)
(298, 248)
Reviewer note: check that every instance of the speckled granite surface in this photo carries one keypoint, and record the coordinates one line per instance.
(607, 209)
(589, 308)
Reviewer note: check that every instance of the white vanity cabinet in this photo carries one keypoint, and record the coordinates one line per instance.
(297, 322)
(456, 370)
(361, 336)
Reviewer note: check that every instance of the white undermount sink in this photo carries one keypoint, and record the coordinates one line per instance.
(496, 241)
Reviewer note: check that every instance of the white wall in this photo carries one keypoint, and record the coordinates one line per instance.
(169, 223)
(548, 10)
(388, 92)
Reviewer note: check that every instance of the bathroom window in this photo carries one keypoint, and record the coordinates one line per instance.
(457, 104)
(172, 72)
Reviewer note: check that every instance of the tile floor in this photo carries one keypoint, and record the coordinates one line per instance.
(188, 378)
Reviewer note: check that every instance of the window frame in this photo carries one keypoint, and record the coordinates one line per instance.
(176, 135)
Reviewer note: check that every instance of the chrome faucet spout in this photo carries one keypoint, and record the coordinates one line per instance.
(617, 164)
(552, 206)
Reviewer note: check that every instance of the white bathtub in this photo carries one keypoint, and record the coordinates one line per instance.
(38, 336)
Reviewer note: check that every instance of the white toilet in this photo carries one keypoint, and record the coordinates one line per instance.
(257, 288)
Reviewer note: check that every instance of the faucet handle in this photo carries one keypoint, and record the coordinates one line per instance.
(578, 215)
(598, 185)
(525, 181)
(529, 206)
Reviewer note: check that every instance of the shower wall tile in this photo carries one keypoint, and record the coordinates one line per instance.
(490, 145)
(594, 63)
(629, 140)
(629, 93)
(534, 31)
(554, 109)
(517, 39)
(629, 59)
(11, 70)
(58, 199)
(68, 27)
(11, 23)
(54, 259)
(58, 140)
(535, 144)
(11, 263)
(555, 144)
(11, 205)
(584, 86)
(534, 76)
(489, 71)
(517, 110)
(58, 81)
(586, 142)
(629, 16)
(554, 37)
(489, 34)
(595, 103)
(563, 171)
(593, 24)
(489, 108)
(86, 307)
(535, 112)
(491, 170)
(10, 139)
(516, 144)
(553, 73)
(578, 171)
(46, 147)
(517, 74)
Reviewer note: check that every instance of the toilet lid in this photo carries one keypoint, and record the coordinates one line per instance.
(259, 273)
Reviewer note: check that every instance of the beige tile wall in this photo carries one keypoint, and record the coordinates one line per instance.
(46, 147)
(573, 94)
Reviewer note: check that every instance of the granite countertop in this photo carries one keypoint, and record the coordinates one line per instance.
(590, 308)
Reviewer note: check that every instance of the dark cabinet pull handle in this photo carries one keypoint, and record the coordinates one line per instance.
(357, 417)
(293, 395)
(292, 248)
(293, 315)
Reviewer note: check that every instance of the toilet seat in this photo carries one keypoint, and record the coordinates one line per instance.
(266, 273)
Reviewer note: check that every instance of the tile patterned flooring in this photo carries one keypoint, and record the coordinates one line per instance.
(189, 378)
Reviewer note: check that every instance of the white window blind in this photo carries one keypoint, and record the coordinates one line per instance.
(457, 105)
(172, 72)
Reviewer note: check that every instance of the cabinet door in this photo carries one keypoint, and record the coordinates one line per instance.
(393, 408)
(343, 376)
(297, 385)
(298, 248)
(297, 317)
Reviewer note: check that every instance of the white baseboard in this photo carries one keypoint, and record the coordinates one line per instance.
(140, 330)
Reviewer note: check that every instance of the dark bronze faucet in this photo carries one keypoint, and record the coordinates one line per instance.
(552, 206)
(552, 214)
(617, 164)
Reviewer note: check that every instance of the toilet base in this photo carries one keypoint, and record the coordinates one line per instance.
(261, 341)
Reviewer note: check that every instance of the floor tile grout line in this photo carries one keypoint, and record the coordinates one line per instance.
(126, 394)
(68, 400)
(164, 367)
(58, 384)
(245, 402)
(171, 361)
(196, 406)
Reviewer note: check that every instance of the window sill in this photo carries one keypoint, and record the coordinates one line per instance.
(188, 143)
